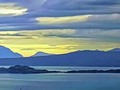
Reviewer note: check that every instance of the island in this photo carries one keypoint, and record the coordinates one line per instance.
(19, 69)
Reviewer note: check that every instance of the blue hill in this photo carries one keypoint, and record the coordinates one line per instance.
(7, 53)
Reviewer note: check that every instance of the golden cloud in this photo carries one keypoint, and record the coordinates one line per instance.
(62, 20)
(39, 40)
(11, 9)
(28, 43)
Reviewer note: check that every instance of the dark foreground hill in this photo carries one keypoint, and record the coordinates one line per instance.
(78, 58)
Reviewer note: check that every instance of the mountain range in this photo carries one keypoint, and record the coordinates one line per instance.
(7, 53)
(95, 58)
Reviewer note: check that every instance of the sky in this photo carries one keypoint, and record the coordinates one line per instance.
(59, 26)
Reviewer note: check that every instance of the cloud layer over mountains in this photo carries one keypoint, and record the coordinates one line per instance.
(73, 23)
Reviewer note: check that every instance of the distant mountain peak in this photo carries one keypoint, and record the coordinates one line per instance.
(41, 54)
(115, 50)
(7, 53)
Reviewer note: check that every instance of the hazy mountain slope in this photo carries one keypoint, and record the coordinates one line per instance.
(7, 53)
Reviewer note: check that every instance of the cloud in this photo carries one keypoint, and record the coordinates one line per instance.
(62, 14)
(105, 17)
(79, 4)
(80, 7)
(62, 20)
(104, 21)
(58, 26)
(64, 33)
(98, 33)
(11, 9)
(37, 33)
(59, 40)
(38, 41)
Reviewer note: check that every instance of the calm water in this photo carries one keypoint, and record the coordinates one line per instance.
(60, 81)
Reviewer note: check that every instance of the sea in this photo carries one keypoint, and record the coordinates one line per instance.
(62, 81)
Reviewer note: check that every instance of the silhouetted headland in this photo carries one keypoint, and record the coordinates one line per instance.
(18, 69)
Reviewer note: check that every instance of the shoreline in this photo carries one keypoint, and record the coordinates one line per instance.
(19, 69)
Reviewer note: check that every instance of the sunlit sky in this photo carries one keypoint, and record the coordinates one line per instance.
(59, 26)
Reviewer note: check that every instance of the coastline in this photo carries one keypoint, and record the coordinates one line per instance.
(19, 69)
